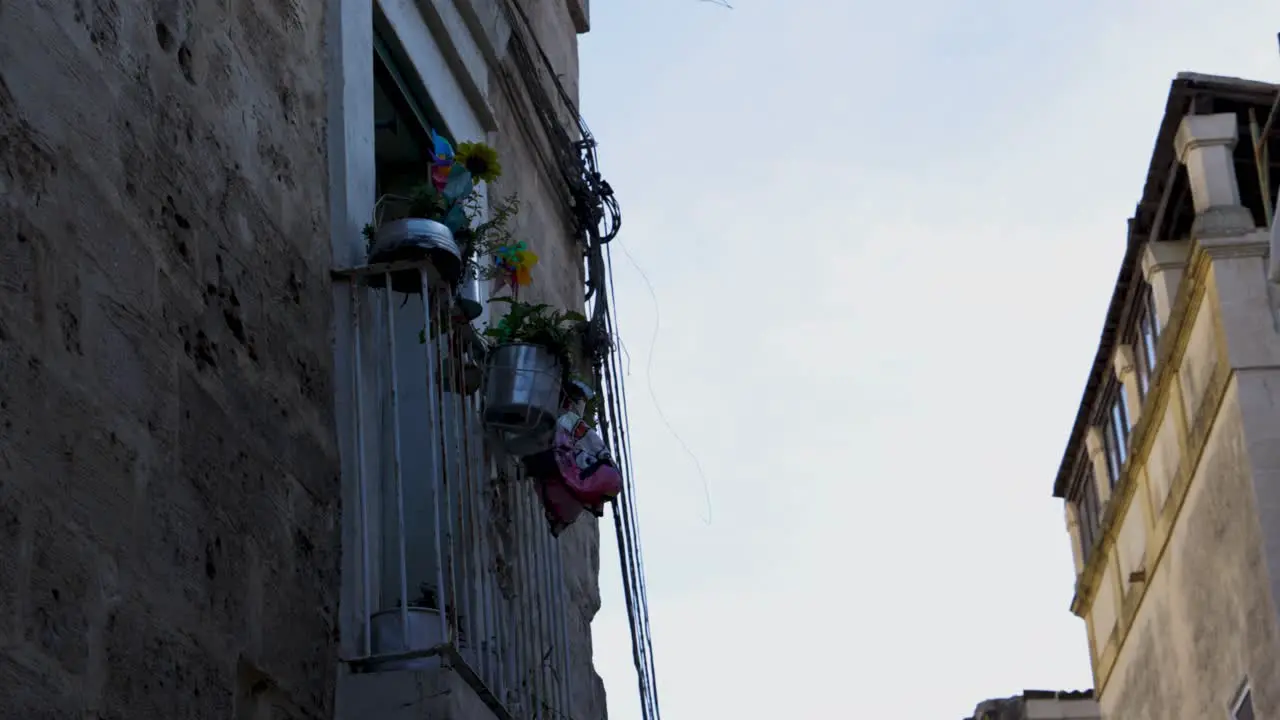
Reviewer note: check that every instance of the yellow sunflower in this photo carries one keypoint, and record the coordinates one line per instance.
(480, 160)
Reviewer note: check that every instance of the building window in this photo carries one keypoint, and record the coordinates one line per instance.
(1242, 709)
(1116, 433)
(1147, 330)
(1084, 495)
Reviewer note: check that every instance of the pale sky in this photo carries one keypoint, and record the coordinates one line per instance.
(882, 238)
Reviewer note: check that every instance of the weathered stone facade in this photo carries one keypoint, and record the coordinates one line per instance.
(170, 474)
(1179, 588)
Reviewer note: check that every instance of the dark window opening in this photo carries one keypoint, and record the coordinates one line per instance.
(1084, 494)
(402, 126)
(1146, 338)
(1115, 433)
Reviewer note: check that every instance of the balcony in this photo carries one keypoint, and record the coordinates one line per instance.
(449, 563)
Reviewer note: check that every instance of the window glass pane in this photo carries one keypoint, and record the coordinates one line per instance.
(1151, 311)
(1113, 458)
(1120, 423)
(1149, 339)
(1085, 497)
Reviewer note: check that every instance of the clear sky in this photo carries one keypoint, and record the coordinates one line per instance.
(882, 238)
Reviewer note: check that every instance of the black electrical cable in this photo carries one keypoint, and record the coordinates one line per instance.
(639, 553)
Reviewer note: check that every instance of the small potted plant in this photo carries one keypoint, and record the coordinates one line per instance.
(526, 370)
(433, 213)
(490, 237)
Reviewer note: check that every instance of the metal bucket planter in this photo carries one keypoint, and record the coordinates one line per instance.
(469, 302)
(415, 239)
(387, 637)
(522, 397)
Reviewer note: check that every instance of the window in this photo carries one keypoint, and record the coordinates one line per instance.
(1084, 495)
(1242, 709)
(1147, 332)
(1115, 433)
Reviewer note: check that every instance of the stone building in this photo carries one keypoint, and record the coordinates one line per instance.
(1171, 476)
(1039, 705)
(198, 429)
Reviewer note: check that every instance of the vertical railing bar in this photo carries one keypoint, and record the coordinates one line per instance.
(396, 467)
(565, 653)
(545, 673)
(476, 532)
(490, 590)
(479, 541)
(466, 524)
(357, 385)
(493, 593)
(451, 578)
(560, 605)
(436, 422)
(517, 578)
(556, 605)
(511, 643)
(523, 615)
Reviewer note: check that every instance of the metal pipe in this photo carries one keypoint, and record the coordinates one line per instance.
(446, 487)
(462, 481)
(476, 577)
(433, 418)
(523, 613)
(540, 612)
(399, 480)
(357, 386)
(566, 656)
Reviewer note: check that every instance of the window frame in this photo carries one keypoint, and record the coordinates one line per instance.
(1146, 340)
(1243, 696)
(1087, 500)
(1115, 431)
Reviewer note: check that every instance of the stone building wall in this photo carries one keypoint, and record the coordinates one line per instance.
(168, 468)
(169, 471)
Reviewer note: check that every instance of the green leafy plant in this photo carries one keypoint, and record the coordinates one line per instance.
(560, 331)
(483, 239)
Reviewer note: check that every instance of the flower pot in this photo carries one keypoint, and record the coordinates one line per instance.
(387, 637)
(415, 239)
(522, 397)
(470, 303)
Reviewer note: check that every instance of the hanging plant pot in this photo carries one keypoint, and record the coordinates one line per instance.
(522, 397)
(415, 239)
(469, 302)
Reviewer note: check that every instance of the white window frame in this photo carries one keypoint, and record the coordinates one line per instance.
(1244, 693)
(352, 173)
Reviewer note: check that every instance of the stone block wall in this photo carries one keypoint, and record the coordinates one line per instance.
(168, 472)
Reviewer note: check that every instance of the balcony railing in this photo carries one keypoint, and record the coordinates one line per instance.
(457, 567)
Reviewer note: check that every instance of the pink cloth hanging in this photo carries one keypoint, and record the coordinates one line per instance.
(574, 476)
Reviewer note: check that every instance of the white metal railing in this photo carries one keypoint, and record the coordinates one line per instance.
(457, 566)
